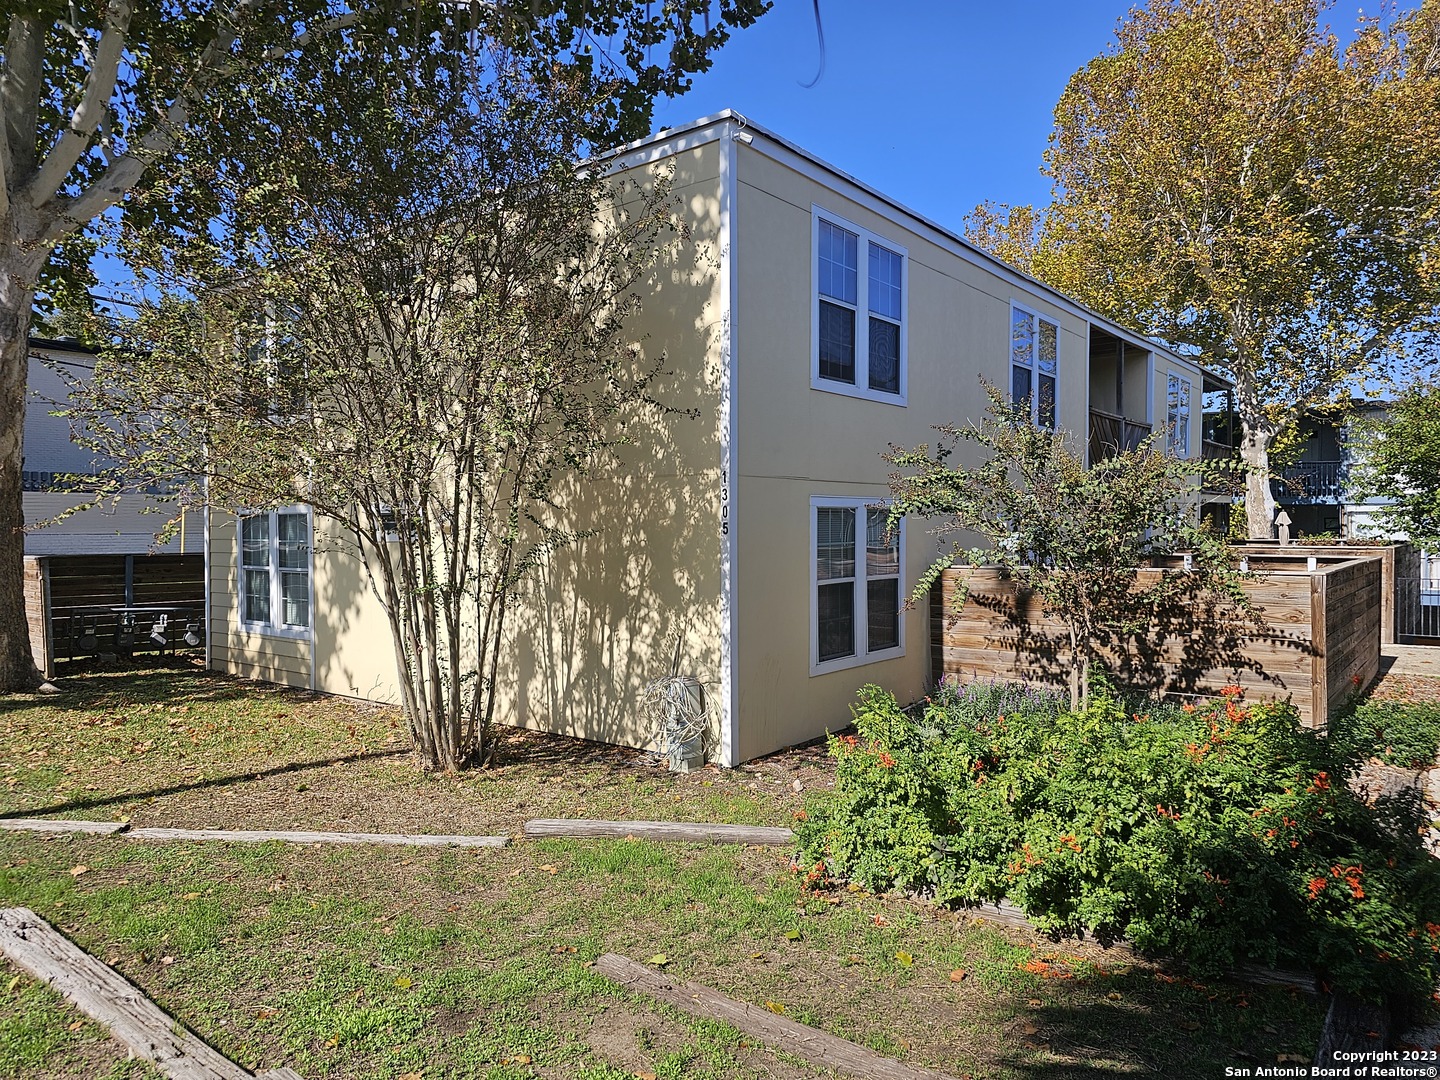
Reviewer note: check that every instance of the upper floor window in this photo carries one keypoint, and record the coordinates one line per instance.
(1034, 365)
(859, 329)
(275, 570)
(1177, 415)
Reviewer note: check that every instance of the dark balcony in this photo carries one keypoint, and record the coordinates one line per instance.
(1111, 434)
(1308, 482)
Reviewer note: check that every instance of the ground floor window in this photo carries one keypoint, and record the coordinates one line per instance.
(275, 569)
(855, 584)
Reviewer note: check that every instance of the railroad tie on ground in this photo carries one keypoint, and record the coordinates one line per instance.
(259, 836)
(61, 825)
(105, 996)
(248, 836)
(694, 831)
(793, 1037)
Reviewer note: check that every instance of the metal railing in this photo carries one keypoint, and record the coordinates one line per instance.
(1417, 607)
(1308, 480)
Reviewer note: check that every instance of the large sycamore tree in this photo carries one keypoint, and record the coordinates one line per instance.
(99, 98)
(1230, 179)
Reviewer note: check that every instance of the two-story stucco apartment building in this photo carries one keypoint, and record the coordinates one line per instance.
(812, 323)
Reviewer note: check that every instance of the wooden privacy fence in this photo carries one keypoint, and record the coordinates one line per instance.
(1313, 635)
(87, 605)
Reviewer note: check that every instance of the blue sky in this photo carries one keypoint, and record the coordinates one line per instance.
(941, 104)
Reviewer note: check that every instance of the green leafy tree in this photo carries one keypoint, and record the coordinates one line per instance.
(109, 103)
(1397, 458)
(416, 324)
(1072, 535)
(1229, 180)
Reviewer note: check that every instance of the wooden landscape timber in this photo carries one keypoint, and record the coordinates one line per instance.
(248, 836)
(259, 836)
(62, 825)
(1313, 636)
(760, 1022)
(692, 831)
(105, 996)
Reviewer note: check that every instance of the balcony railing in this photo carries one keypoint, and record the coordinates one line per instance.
(1308, 481)
(1230, 483)
(1111, 434)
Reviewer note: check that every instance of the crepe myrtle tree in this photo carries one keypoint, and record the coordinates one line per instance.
(101, 100)
(1074, 536)
(415, 323)
(1230, 179)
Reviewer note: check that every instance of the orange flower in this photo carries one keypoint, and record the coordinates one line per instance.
(1317, 886)
(886, 761)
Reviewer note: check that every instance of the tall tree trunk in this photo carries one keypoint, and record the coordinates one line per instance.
(1259, 499)
(17, 291)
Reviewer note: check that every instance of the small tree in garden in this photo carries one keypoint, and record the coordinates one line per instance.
(414, 322)
(1072, 535)
(1398, 459)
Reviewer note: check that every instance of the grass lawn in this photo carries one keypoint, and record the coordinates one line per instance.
(382, 962)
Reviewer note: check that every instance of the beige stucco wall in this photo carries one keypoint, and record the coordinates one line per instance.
(597, 622)
(233, 647)
(795, 442)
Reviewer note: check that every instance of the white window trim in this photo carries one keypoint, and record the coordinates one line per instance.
(861, 387)
(862, 620)
(1037, 315)
(304, 633)
(1170, 442)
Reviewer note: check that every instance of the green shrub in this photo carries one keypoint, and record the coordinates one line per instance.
(1397, 732)
(1219, 834)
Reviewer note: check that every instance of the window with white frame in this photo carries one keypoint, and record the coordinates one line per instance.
(859, 335)
(1034, 365)
(1177, 415)
(275, 569)
(855, 593)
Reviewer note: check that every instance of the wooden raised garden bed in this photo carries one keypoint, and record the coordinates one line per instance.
(1314, 635)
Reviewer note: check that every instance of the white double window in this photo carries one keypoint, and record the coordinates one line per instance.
(855, 601)
(1034, 365)
(858, 333)
(275, 570)
(1177, 415)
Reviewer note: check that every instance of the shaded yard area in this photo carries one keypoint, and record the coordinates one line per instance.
(181, 747)
(368, 962)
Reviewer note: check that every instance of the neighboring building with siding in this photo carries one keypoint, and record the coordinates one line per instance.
(55, 466)
(813, 322)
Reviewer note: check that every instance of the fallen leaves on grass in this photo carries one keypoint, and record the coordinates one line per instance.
(659, 959)
(775, 1007)
(905, 958)
(76, 871)
(403, 982)
(958, 975)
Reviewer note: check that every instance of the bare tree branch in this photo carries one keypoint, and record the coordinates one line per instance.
(20, 87)
(122, 174)
(99, 85)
